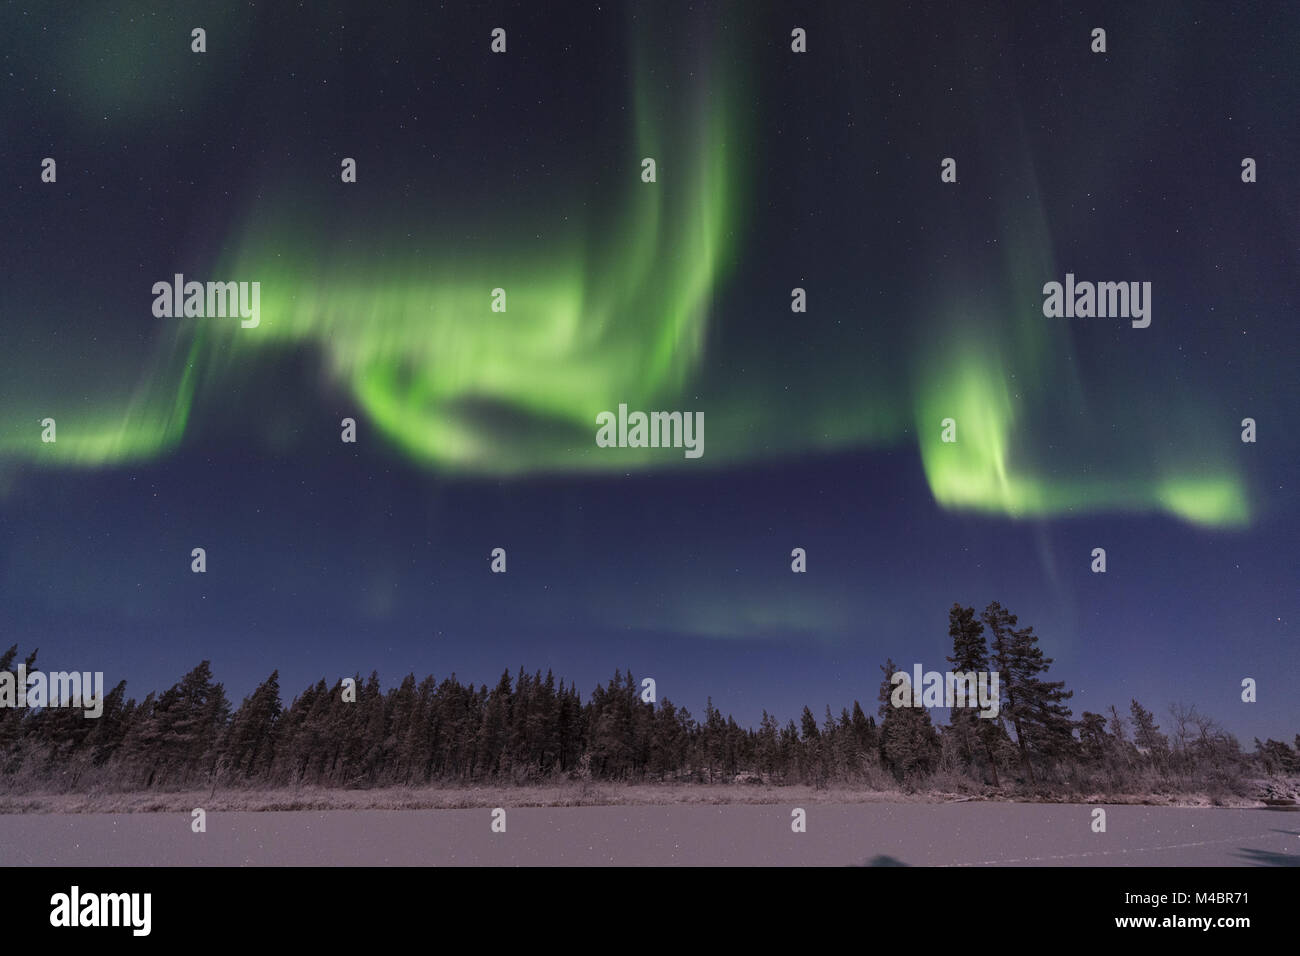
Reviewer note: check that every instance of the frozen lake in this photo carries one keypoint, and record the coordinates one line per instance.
(963, 834)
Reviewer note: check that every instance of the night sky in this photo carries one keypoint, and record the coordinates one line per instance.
(476, 429)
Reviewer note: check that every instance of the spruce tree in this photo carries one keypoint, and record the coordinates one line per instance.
(251, 740)
(1094, 742)
(1034, 707)
(970, 655)
(909, 744)
(1146, 734)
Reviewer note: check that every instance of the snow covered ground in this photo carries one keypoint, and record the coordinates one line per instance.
(872, 834)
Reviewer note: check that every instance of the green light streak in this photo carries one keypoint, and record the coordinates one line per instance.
(603, 316)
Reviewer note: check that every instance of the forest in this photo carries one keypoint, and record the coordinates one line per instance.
(532, 728)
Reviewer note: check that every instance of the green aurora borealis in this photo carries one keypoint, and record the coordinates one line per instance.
(622, 309)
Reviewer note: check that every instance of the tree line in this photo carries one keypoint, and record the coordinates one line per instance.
(530, 727)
